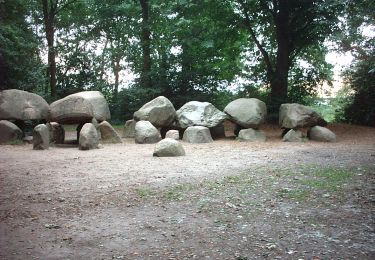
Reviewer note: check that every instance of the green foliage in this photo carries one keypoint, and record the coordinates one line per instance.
(20, 64)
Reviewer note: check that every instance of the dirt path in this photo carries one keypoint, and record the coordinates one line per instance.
(225, 200)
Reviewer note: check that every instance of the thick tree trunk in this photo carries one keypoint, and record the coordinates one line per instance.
(279, 78)
(145, 42)
(49, 20)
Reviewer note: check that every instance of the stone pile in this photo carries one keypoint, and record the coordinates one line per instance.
(296, 118)
(248, 114)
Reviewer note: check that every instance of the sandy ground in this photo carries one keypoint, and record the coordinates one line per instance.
(223, 200)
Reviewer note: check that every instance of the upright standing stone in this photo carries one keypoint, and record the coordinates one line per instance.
(41, 137)
(146, 133)
(56, 133)
(88, 137)
(129, 129)
(197, 134)
(294, 136)
(108, 133)
(173, 134)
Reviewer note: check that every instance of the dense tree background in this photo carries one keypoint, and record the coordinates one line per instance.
(207, 50)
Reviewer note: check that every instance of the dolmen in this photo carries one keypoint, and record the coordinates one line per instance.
(295, 118)
(248, 114)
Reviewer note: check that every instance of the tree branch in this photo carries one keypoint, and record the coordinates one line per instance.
(253, 36)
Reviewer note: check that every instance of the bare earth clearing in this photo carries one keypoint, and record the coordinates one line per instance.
(225, 200)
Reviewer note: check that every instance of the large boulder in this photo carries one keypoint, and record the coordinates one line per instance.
(197, 134)
(247, 112)
(159, 112)
(56, 133)
(294, 115)
(195, 113)
(321, 134)
(129, 129)
(108, 133)
(88, 137)
(72, 109)
(9, 132)
(146, 133)
(168, 148)
(294, 136)
(41, 137)
(21, 105)
(251, 135)
(98, 102)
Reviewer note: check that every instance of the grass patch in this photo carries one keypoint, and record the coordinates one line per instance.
(145, 192)
(178, 192)
(15, 142)
(327, 179)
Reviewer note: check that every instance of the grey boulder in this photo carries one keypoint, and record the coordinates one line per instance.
(71, 110)
(41, 137)
(173, 134)
(294, 115)
(195, 113)
(129, 129)
(98, 102)
(321, 134)
(108, 133)
(21, 105)
(294, 136)
(9, 132)
(168, 148)
(146, 133)
(160, 112)
(197, 134)
(88, 137)
(247, 112)
(251, 135)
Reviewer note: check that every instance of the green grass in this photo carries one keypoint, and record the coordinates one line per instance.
(15, 142)
(327, 178)
(145, 192)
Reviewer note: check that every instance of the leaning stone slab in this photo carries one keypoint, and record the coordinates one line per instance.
(160, 112)
(108, 133)
(146, 133)
(298, 116)
(41, 137)
(197, 134)
(251, 135)
(168, 148)
(173, 134)
(129, 129)
(247, 112)
(195, 113)
(71, 110)
(21, 105)
(9, 132)
(99, 104)
(294, 136)
(321, 134)
(88, 137)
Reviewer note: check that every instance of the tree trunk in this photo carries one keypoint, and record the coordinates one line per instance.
(49, 20)
(145, 42)
(279, 78)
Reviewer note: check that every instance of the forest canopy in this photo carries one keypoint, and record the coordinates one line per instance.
(206, 50)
